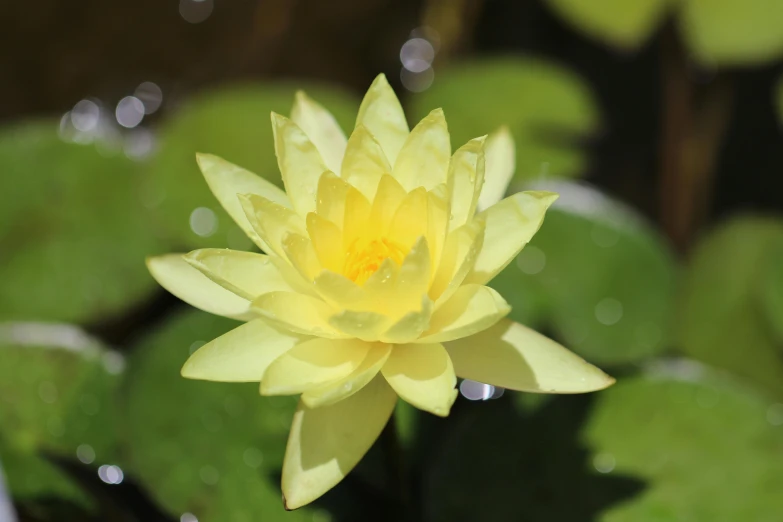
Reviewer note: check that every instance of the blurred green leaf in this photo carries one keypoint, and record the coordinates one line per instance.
(709, 449)
(772, 290)
(547, 108)
(56, 391)
(206, 448)
(728, 32)
(73, 230)
(235, 125)
(721, 316)
(598, 275)
(616, 22)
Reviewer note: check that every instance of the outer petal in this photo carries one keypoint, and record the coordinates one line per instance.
(515, 357)
(322, 129)
(312, 363)
(226, 180)
(500, 164)
(364, 162)
(466, 175)
(271, 221)
(246, 274)
(471, 309)
(174, 274)
(423, 375)
(382, 114)
(326, 443)
(241, 355)
(299, 161)
(297, 312)
(459, 255)
(347, 386)
(510, 224)
(424, 159)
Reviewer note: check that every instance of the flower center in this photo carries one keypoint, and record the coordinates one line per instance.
(364, 258)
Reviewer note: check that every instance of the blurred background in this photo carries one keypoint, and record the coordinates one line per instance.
(659, 122)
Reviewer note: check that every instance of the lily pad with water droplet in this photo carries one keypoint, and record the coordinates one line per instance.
(701, 442)
(207, 448)
(730, 311)
(597, 276)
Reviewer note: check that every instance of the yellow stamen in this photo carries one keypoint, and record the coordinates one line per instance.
(363, 258)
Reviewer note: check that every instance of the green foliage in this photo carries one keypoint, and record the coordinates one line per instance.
(546, 107)
(598, 275)
(54, 398)
(206, 448)
(73, 230)
(617, 22)
(717, 32)
(233, 124)
(707, 447)
(725, 294)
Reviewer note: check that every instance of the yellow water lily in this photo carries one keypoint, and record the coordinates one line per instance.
(373, 281)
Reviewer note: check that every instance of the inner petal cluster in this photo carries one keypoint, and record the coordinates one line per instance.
(363, 258)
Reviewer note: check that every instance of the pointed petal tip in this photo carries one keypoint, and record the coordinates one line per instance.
(380, 80)
(285, 503)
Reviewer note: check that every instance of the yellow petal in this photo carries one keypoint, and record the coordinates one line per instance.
(513, 356)
(227, 180)
(424, 158)
(364, 325)
(312, 363)
(414, 276)
(410, 220)
(301, 254)
(364, 162)
(241, 355)
(297, 312)
(299, 161)
(510, 224)
(357, 213)
(246, 274)
(322, 129)
(437, 222)
(466, 175)
(174, 274)
(500, 164)
(410, 326)
(422, 374)
(271, 221)
(332, 192)
(459, 254)
(347, 386)
(388, 198)
(326, 443)
(382, 114)
(471, 309)
(327, 240)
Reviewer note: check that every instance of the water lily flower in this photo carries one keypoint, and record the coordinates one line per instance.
(373, 281)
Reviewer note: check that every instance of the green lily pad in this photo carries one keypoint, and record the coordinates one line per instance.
(56, 392)
(727, 32)
(617, 22)
(596, 275)
(73, 230)
(722, 317)
(708, 448)
(234, 124)
(546, 107)
(206, 448)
